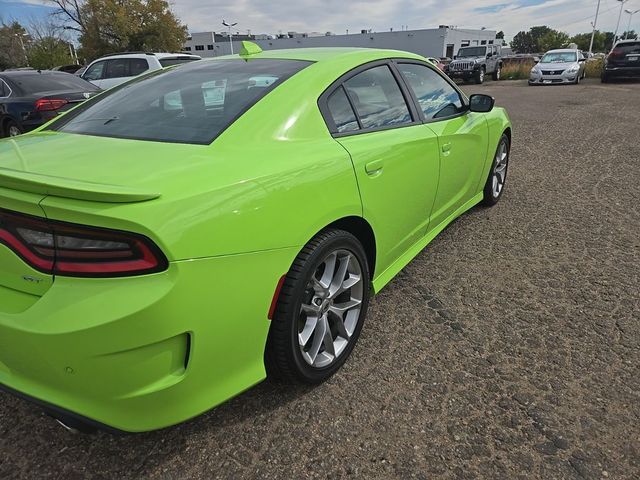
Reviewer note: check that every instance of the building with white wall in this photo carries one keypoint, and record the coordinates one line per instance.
(432, 42)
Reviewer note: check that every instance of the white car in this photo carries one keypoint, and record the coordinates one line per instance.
(559, 66)
(112, 70)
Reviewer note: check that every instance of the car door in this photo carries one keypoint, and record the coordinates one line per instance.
(394, 157)
(95, 73)
(117, 72)
(462, 137)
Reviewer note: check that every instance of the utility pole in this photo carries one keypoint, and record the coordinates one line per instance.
(229, 25)
(594, 23)
(631, 14)
(615, 35)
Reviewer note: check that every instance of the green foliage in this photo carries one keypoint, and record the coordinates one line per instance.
(49, 52)
(523, 42)
(552, 39)
(108, 26)
(516, 71)
(11, 52)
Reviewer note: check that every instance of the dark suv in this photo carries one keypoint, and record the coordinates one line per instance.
(476, 62)
(623, 61)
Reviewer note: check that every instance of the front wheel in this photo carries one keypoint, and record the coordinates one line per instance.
(494, 186)
(320, 309)
(496, 74)
(479, 76)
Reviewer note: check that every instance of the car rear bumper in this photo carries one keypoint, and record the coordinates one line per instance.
(142, 353)
(631, 72)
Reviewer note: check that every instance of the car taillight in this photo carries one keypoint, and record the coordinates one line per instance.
(74, 250)
(49, 104)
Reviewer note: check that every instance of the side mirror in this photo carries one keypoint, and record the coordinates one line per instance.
(488, 55)
(582, 59)
(481, 103)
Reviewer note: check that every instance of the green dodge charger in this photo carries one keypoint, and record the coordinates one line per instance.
(171, 242)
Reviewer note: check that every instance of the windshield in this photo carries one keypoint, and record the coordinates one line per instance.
(31, 83)
(472, 52)
(190, 104)
(559, 57)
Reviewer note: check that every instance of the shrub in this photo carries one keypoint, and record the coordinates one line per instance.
(516, 71)
(593, 69)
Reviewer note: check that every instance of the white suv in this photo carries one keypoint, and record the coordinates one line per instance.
(112, 70)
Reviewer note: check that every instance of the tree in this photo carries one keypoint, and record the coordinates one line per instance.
(108, 26)
(523, 43)
(630, 35)
(12, 38)
(500, 35)
(552, 39)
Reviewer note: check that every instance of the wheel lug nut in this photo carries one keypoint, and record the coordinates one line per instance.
(318, 302)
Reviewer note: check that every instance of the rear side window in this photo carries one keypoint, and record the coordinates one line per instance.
(341, 112)
(436, 97)
(190, 104)
(32, 83)
(377, 98)
(137, 66)
(167, 62)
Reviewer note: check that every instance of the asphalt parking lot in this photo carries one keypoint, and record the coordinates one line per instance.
(509, 348)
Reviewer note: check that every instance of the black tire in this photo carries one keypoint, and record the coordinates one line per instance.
(496, 74)
(604, 78)
(479, 76)
(283, 357)
(10, 125)
(489, 198)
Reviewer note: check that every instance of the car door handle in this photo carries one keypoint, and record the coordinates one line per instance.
(446, 148)
(374, 168)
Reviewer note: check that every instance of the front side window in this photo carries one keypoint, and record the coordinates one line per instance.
(341, 112)
(190, 104)
(378, 99)
(95, 71)
(117, 68)
(436, 97)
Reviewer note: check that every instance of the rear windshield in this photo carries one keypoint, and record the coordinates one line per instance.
(167, 62)
(190, 104)
(627, 48)
(50, 82)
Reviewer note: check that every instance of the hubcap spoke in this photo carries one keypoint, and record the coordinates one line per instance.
(330, 312)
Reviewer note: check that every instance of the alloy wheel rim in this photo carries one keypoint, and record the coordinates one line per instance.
(330, 309)
(481, 75)
(13, 131)
(500, 169)
(498, 74)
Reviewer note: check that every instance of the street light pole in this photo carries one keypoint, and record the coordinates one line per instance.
(622, 2)
(595, 22)
(631, 14)
(229, 25)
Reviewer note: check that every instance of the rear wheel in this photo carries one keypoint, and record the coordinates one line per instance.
(494, 186)
(12, 129)
(496, 74)
(320, 310)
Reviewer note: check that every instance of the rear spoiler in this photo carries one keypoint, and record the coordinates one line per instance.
(70, 188)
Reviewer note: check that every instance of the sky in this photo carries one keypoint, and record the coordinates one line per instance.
(337, 16)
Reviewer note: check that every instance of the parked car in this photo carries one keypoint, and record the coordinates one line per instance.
(112, 70)
(474, 63)
(30, 98)
(558, 66)
(169, 242)
(622, 61)
(67, 68)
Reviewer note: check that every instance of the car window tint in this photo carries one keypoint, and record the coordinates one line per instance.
(167, 62)
(4, 90)
(137, 66)
(627, 48)
(190, 104)
(377, 98)
(95, 71)
(436, 97)
(341, 112)
(117, 68)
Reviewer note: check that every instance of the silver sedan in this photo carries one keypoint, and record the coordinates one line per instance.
(558, 66)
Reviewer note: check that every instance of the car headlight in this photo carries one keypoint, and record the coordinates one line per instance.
(573, 69)
(535, 70)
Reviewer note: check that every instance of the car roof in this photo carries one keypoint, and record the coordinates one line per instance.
(22, 73)
(147, 55)
(563, 50)
(328, 53)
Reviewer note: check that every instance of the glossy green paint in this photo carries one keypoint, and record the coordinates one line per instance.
(145, 352)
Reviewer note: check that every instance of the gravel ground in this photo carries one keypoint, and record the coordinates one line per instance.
(509, 348)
